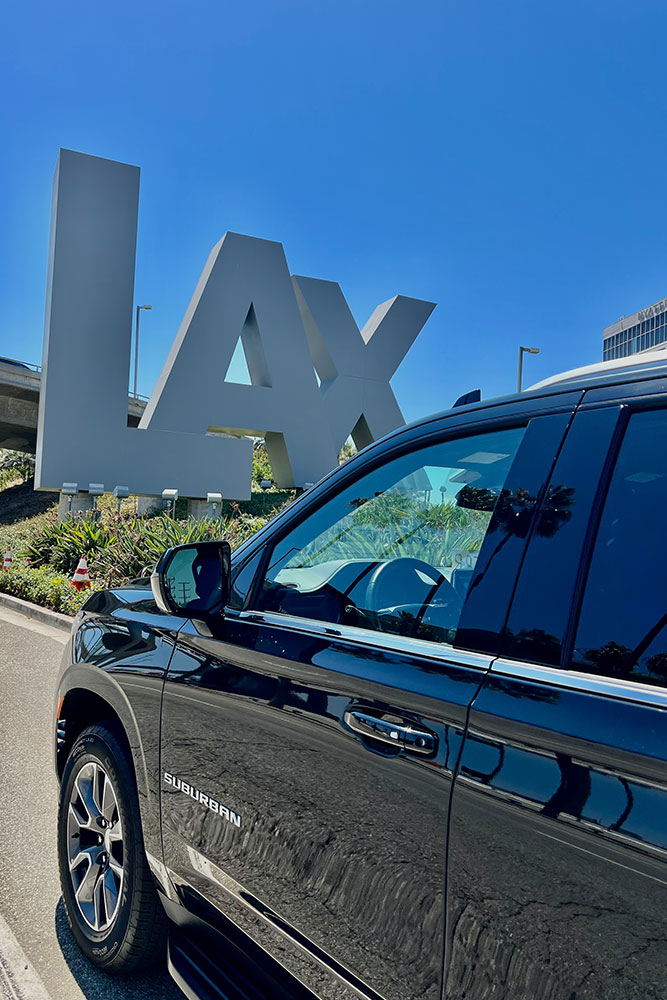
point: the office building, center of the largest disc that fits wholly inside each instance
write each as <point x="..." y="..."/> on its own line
<point x="645" y="330"/>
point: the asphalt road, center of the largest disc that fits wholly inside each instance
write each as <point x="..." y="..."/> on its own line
<point x="38" y="956"/>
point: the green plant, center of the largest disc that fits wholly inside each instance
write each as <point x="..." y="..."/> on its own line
<point x="7" y="478"/>
<point x="118" y="547"/>
<point x="39" y="544"/>
<point x="42" y="585"/>
<point x="349" y="450"/>
<point x="61" y="544"/>
<point x="395" y="524"/>
<point x="16" y="466"/>
<point x="139" y="543"/>
<point x="261" y="467"/>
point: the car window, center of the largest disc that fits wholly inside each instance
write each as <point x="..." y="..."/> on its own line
<point x="488" y="599"/>
<point x="395" y="551"/>
<point x="542" y="603"/>
<point x="622" y="629"/>
<point x="241" y="582"/>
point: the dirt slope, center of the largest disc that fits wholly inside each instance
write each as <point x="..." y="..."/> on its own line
<point x="20" y="502"/>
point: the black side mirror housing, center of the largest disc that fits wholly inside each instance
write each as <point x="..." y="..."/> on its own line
<point x="193" y="580"/>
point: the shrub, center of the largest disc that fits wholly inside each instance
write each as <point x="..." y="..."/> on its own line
<point x="261" y="467"/>
<point x="61" y="544"/>
<point x="395" y="524"/>
<point x="8" y="478"/>
<point x="139" y="542"/>
<point x="44" y="586"/>
<point x="118" y="547"/>
<point x="16" y="466"/>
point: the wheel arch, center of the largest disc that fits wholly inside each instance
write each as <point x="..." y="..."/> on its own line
<point x="82" y="708"/>
<point x="90" y="696"/>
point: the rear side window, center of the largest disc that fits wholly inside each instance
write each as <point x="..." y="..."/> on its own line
<point x="542" y="603"/>
<point x="622" y="629"/>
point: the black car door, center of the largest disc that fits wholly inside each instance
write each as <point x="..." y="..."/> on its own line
<point x="558" y="849"/>
<point x="309" y="740"/>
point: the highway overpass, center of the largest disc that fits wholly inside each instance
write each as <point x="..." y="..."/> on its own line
<point x="19" y="402"/>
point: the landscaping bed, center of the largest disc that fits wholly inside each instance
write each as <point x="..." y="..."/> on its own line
<point x="118" y="547"/>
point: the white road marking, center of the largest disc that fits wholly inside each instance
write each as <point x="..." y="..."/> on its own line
<point x="50" y="631"/>
<point x="18" y="979"/>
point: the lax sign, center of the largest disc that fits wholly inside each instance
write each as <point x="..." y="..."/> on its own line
<point x="315" y="378"/>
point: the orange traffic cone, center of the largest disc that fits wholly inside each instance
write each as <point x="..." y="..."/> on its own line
<point x="8" y="560"/>
<point x="81" y="578"/>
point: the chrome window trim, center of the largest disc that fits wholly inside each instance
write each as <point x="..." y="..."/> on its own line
<point x="575" y="680"/>
<point x="376" y="640"/>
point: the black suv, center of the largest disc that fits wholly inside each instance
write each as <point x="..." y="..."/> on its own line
<point x="410" y="741"/>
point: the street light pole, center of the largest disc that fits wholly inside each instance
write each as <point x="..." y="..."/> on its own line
<point x="136" y="347"/>
<point x="522" y="351"/>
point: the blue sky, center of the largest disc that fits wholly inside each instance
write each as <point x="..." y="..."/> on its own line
<point x="502" y="159"/>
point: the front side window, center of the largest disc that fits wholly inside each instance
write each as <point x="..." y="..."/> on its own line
<point x="396" y="550"/>
<point x="622" y="629"/>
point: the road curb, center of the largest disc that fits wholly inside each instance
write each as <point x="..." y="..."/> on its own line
<point x="34" y="611"/>
<point x="17" y="976"/>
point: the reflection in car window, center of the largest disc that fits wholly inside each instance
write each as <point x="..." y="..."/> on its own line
<point x="193" y="579"/>
<point x="396" y="550"/>
<point x="542" y="602"/>
<point x="623" y="625"/>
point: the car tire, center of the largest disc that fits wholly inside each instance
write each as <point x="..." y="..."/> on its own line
<point x="109" y="894"/>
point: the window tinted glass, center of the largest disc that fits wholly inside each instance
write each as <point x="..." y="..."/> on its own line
<point x="623" y="625"/>
<point x="242" y="581"/>
<point x="396" y="550"/>
<point x="487" y="602"/>
<point x="541" y="607"/>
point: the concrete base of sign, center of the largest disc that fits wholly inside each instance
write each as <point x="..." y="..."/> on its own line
<point x="147" y="505"/>
<point x="200" y="509"/>
<point x="81" y="503"/>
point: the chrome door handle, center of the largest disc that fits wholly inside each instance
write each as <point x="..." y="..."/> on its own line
<point x="404" y="735"/>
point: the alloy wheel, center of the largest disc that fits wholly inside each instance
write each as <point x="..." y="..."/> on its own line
<point x="95" y="846"/>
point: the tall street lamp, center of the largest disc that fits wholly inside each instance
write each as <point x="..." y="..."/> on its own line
<point x="136" y="347"/>
<point x="522" y="351"/>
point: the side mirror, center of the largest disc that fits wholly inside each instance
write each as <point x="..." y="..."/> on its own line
<point x="193" y="579"/>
